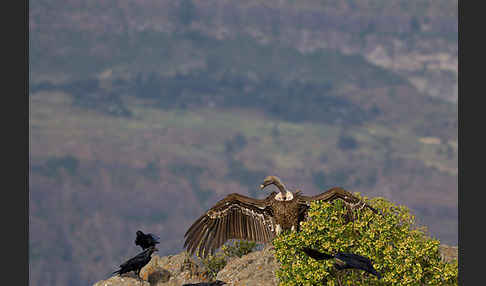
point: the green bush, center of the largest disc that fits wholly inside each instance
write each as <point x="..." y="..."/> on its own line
<point x="400" y="251"/>
<point x="238" y="248"/>
<point x="214" y="263"/>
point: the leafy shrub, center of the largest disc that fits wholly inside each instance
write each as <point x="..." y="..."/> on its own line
<point x="239" y="248"/>
<point x="401" y="252"/>
<point x="214" y="263"/>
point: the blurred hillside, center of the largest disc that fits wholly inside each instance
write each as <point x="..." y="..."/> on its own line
<point x="145" y="113"/>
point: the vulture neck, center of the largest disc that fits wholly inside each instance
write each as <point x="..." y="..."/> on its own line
<point x="284" y="195"/>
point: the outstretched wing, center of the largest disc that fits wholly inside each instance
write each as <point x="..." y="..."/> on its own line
<point x="234" y="217"/>
<point x="338" y="193"/>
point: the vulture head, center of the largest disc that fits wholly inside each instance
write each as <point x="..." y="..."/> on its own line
<point x="284" y="194"/>
<point x="270" y="180"/>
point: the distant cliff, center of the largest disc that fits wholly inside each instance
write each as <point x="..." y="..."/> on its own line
<point x="418" y="39"/>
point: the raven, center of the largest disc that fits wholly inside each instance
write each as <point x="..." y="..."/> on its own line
<point x="345" y="260"/>
<point x="137" y="263"/>
<point x="146" y="240"/>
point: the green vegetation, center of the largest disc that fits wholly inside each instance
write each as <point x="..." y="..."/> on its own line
<point x="213" y="264"/>
<point x="237" y="248"/>
<point x="400" y="251"/>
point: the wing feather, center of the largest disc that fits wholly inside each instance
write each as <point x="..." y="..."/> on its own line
<point x="245" y="226"/>
<point x="195" y="229"/>
<point x="197" y="224"/>
<point x="259" y="233"/>
<point x="206" y="238"/>
<point x="214" y="235"/>
<point x="195" y="239"/>
<point x="211" y="235"/>
<point x="336" y="193"/>
<point x="238" y="234"/>
<point x="234" y="217"/>
<point x="252" y="229"/>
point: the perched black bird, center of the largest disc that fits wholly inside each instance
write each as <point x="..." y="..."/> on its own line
<point x="137" y="263"/>
<point x="345" y="260"/>
<point x="146" y="240"/>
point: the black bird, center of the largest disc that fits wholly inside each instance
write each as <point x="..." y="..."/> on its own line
<point x="146" y="240"/>
<point x="137" y="263"/>
<point x="345" y="260"/>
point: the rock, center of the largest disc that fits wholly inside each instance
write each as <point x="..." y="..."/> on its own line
<point x="124" y="280"/>
<point x="214" y="283"/>
<point x="254" y="269"/>
<point x="172" y="270"/>
<point x="448" y="252"/>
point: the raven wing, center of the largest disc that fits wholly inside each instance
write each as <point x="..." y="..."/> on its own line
<point x="136" y="259"/>
<point x="316" y="254"/>
<point x="357" y="261"/>
<point x="354" y="259"/>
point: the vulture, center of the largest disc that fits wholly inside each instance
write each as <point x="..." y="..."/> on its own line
<point x="146" y="240"/>
<point x="137" y="263"/>
<point x="345" y="260"/>
<point x="259" y="220"/>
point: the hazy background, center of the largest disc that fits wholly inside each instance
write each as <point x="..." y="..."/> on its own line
<point x="145" y="113"/>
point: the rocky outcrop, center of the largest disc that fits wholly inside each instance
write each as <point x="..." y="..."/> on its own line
<point x="254" y="269"/>
<point x="448" y="252"/>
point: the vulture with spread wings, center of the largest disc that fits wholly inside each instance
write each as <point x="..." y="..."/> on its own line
<point x="259" y="220"/>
